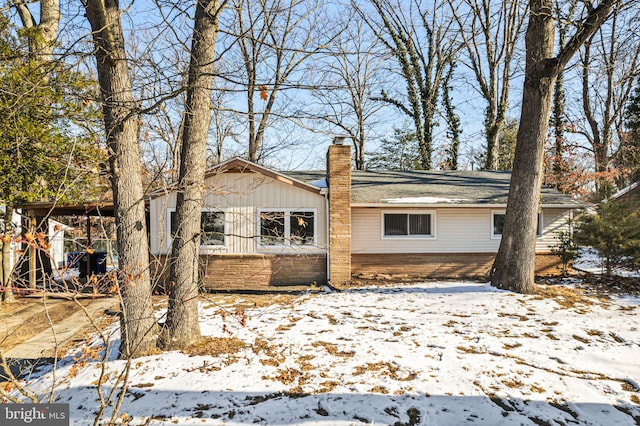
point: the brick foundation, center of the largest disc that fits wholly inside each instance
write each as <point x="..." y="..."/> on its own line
<point x="428" y="265"/>
<point x="252" y="272"/>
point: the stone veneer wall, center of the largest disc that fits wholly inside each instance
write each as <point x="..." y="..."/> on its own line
<point x="252" y="272"/>
<point x="339" y="182"/>
<point x="428" y="265"/>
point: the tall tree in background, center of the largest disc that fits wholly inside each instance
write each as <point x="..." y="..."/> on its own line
<point x="48" y="150"/>
<point x="453" y="122"/>
<point x="514" y="265"/>
<point x="490" y="31"/>
<point x="423" y="49"/>
<point x="137" y="324"/>
<point x="397" y="152"/>
<point x="351" y="72"/>
<point x="275" y="39"/>
<point x="559" y="119"/>
<point x="610" y="61"/>
<point x="628" y="158"/>
<point x="42" y="33"/>
<point x="181" y="327"/>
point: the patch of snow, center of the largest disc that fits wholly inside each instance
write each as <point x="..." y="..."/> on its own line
<point x="437" y="353"/>
<point x="423" y="200"/>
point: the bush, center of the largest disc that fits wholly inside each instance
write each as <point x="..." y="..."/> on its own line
<point x="614" y="232"/>
<point x="566" y="250"/>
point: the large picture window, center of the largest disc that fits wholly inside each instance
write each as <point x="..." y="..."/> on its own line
<point x="287" y="227"/>
<point x="497" y="224"/>
<point x="211" y="227"/>
<point x="408" y="225"/>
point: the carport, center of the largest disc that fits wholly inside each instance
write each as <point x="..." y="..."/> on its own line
<point x="36" y="213"/>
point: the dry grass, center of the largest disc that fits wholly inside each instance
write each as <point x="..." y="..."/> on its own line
<point x="215" y="346"/>
<point x="566" y="297"/>
<point x="384" y="369"/>
<point x="333" y="349"/>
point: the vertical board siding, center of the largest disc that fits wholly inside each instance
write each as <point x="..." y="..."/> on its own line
<point x="240" y="196"/>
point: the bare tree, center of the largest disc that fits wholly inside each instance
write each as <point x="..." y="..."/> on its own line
<point x="121" y="123"/>
<point x="610" y="62"/>
<point x="490" y="32"/>
<point x="275" y="39"/>
<point x="514" y="265"/>
<point x="351" y="72"/>
<point x="181" y="327"/>
<point x="420" y="39"/>
<point x="452" y="119"/>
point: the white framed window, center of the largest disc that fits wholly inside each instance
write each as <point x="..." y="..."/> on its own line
<point x="212" y="227"/>
<point x="408" y="224"/>
<point x="287" y="227"/>
<point x="497" y="224"/>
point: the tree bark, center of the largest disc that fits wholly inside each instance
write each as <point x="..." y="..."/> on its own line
<point x="181" y="327"/>
<point x="42" y="41"/>
<point x="6" y="256"/>
<point x="137" y="323"/>
<point x="514" y="266"/>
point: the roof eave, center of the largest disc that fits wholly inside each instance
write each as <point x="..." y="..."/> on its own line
<point x="467" y="205"/>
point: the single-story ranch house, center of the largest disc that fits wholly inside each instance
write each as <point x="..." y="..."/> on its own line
<point x="265" y="228"/>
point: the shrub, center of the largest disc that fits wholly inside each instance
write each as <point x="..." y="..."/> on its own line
<point x="614" y="232"/>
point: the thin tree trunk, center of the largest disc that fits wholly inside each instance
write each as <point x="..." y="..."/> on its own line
<point x="181" y="326"/>
<point x="6" y="256"/>
<point x="514" y="266"/>
<point x="138" y="324"/>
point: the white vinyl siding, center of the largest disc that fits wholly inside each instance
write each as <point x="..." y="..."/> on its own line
<point x="458" y="230"/>
<point x="241" y="196"/>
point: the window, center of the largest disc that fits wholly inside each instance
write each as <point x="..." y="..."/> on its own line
<point x="407" y="225"/>
<point x="272" y="230"/>
<point x="497" y="224"/>
<point x="211" y="227"/>
<point x="287" y="227"/>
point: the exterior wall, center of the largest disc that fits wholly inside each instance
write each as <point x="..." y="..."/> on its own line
<point x="340" y="230"/>
<point x="425" y="265"/>
<point x="241" y="196"/>
<point x="457" y="230"/>
<point x="253" y="271"/>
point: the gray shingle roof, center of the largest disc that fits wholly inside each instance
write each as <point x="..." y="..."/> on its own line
<point x="432" y="187"/>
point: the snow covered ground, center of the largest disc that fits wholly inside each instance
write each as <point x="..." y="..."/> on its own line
<point x="438" y="353"/>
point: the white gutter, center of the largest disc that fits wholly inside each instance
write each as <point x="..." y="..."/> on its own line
<point x="440" y="205"/>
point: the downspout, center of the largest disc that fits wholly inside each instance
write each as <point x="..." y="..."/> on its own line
<point x="325" y="192"/>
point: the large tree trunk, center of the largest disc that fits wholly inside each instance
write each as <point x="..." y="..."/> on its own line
<point x="514" y="266"/>
<point x="138" y="324"/>
<point x="515" y="262"/>
<point x="181" y="326"/>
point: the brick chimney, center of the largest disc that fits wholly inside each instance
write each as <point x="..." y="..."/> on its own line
<point x="339" y="182"/>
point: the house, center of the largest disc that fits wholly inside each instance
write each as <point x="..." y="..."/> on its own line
<point x="266" y="228"/>
<point x="629" y="195"/>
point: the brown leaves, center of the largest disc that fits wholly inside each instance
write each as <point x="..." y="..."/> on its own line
<point x="263" y="93"/>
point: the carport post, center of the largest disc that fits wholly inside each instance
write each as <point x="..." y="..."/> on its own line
<point x="33" y="265"/>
